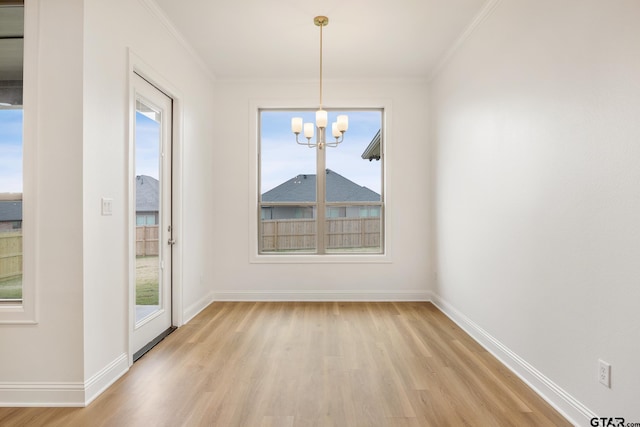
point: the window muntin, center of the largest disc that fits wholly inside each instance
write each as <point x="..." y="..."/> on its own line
<point x="288" y="184"/>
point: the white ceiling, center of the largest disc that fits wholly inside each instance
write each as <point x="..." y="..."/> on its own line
<point x="365" y="39"/>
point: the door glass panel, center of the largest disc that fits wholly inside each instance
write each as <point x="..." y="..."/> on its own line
<point x="148" y="193"/>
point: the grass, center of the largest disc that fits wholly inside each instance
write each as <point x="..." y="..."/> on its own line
<point x="147" y="269"/>
<point x="147" y="272"/>
<point x="11" y="288"/>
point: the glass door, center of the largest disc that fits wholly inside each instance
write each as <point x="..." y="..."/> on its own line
<point x="152" y="212"/>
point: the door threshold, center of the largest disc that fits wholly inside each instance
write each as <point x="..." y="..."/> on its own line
<point x="138" y="354"/>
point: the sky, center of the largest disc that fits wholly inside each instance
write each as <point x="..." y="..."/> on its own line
<point x="147" y="152"/>
<point x="147" y="146"/>
<point x="10" y="151"/>
<point x="282" y="159"/>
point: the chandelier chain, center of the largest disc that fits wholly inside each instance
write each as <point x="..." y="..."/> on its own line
<point x="337" y="128"/>
<point x="321" y="66"/>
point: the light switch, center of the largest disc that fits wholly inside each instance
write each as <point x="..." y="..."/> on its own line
<point x="107" y="206"/>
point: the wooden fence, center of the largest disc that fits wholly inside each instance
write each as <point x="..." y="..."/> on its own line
<point x="147" y="240"/>
<point x="277" y="235"/>
<point x="10" y="254"/>
<point x="300" y="234"/>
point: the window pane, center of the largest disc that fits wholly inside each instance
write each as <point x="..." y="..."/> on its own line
<point x="354" y="172"/>
<point x="11" y="65"/>
<point x="289" y="182"/>
<point x="147" y="163"/>
<point x="287" y="178"/>
<point x="357" y="229"/>
<point x="287" y="228"/>
<point x="287" y="170"/>
<point x="10" y="156"/>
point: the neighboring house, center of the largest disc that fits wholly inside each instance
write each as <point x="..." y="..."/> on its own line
<point x="10" y="215"/>
<point x="147" y="204"/>
<point x="147" y="200"/>
<point x="372" y="152"/>
<point x="302" y="188"/>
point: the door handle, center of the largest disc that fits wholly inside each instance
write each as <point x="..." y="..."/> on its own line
<point x="171" y="242"/>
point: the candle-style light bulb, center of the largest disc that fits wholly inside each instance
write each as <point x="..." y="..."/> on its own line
<point x="334" y="130"/>
<point x="308" y="130"/>
<point x="343" y="123"/>
<point x="296" y="125"/>
<point x="321" y="118"/>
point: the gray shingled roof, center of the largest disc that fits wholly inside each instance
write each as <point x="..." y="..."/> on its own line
<point x="10" y="210"/>
<point x="147" y="195"/>
<point x="302" y="188"/>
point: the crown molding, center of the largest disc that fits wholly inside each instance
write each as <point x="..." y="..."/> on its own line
<point x="153" y="7"/>
<point x="483" y="14"/>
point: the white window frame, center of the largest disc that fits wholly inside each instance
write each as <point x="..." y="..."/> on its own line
<point x="254" y="182"/>
<point x="25" y="311"/>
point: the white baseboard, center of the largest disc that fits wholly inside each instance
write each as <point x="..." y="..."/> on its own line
<point x="195" y="308"/>
<point x="574" y="411"/>
<point x="63" y="394"/>
<point x="67" y="394"/>
<point x="77" y="394"/>
<point x="362" y="296"/>
<point x="98" y="383"/>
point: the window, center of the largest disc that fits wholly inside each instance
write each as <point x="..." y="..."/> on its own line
<point x="292" y="178"/>
<point x="11" y="118"/>
<point x="144" y="220"/>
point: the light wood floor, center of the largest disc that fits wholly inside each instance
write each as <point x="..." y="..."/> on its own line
<point x="310" y="364"/>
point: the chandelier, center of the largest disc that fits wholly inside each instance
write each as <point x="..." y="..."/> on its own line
<point x="338" y="128"/>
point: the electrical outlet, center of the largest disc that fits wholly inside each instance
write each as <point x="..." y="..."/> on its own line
<point x="604" y="373"/>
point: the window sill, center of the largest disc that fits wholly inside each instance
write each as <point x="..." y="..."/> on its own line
<point x="321" y="259"/>
<point x="15" y="314"/>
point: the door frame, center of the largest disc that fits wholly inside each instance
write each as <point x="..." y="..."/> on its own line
<point x="138" y="66"/>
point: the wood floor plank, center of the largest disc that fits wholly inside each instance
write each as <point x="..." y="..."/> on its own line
<point x="310" y="364"/>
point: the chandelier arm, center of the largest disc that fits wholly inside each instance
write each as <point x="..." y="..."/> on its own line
<point x="337" y="141"/>
<point x="308" y="143"/>
<point x="333" y="144"/>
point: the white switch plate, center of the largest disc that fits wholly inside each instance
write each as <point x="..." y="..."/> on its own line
<point x="107" y="206"/>
<point x="604" y="373"/>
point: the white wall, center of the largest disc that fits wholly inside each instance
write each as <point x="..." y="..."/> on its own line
<point x="236" y="277"/>
<point x="110" y="29"/>
<point x="536" y="135"/>
<point x="51" y="351"/>
<point x="81" y="340"/>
